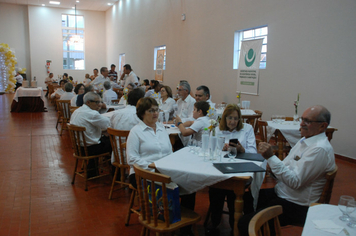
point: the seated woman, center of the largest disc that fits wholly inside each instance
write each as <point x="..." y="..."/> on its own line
<point x="148" y="141"/>
<point x="79" y="89"/>
<point x="87" y="80"/>
<point x="231" y="127"/>
<point x="167" y="102"/>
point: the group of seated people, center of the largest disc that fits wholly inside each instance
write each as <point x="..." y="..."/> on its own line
<point x="300" y="175"/>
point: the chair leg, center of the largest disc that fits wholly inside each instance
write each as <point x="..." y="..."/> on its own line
<point x="133" y="194"/>
<point x="75" y="170"/>
<point x="62" y="128"/>
<point x="58" y="121"/>
<point x="207" y="218"/>
<point x="143" y="231"/>
<point x="113" y="183"/>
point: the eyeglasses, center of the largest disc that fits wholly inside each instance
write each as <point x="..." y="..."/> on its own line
<point x="232" y="118"/>
<point x="153" y="110"/>
<point x="97" y="102"/>
<point x="308" y="122"/>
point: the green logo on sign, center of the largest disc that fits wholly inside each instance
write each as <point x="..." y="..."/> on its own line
<point x="250" y="58"/>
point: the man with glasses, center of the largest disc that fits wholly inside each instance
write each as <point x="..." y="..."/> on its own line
<point x="88" y="116"/>
<point x="300" y="176"/>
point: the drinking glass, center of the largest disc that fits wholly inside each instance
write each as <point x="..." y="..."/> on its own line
<point x="274" y="117"/>
<point x="220" y="144"/>
<point x="160" y="117"/>
<point x="213" y="144"/>
<point x="166" y="116"/>
<point x="232" y="152"/>
<point x="344" y="199"/>
<point x="350" y="208"/>
<point x="191" y="145"/>
<point x="197" y="147"/>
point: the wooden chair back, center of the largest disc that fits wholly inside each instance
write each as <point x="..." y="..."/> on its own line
<point x="142" y="178"/>
<point x="63" y="113"/>
<point x="328" y="187"/>
<point x="77" y="138"/>
<point x="252" y="120"/>
<point x="259" y="223"/>
<point x="72" y="109"/>
<point x="118" y="144"/>
<point x="329" y="132"/>
<point x="262" y="129"/>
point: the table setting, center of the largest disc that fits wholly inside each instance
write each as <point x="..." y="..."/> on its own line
<point x="329" y="220"/>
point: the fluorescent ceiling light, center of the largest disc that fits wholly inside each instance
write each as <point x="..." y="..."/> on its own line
<point x="54" y="2"/>
<point x="77" y="1"/>
<point x="109" y="4"/>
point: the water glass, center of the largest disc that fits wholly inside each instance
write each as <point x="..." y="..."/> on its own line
<point x="166" y="116"/>
<point x="344" y="199"/>
<point x="220" y="145"/>
<point x="232" y="152"/>
<point x="350" y="209"/>
<point x="197" y="147"/>
<point x="191" y="145"/>
<point x="160" y="117"/>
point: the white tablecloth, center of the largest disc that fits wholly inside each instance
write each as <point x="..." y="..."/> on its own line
<point x="192" y="173"/>
<point x="324" y="212"/>
<point x="289" y="130"/>
<point x="28" y="92"/>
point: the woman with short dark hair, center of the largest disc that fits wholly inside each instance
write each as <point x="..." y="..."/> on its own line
<point x="148" y="141"/>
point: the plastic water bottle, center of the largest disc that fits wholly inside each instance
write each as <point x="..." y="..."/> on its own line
<point x="205" y="140"/>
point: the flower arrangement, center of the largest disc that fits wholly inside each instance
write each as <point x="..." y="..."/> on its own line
<point x="126" y="91"/>
<point x="7" y="59"/>
<point x="213" y="125"/>
<point x="211" y="112"/>
<point x="239" y="97"/>
<point x="296" y="104"/>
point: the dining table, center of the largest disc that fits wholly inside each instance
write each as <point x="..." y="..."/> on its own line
<point x="323" y="220"/>
<point x="28" y="100"/>
<point x="288" y="131"/>
<point x="192" y="172"/>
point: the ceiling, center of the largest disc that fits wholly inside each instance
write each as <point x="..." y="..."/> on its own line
<point x="92" y="5"/>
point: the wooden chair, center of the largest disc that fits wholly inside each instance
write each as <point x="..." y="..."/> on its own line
<point x="329" y="132"/>
<point x="260" y="221"/>
<point x="289" y="118"/>
<point x="81" y="153"/>
<point x="63" y="113"/>
<point x="151" y="222"/>
<point x="118" y="144"/>
<point x="328" y="187"/>
<point x="72" y="109"/>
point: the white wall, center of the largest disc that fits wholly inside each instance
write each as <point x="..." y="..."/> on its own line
<point x="14" y="32"/>
<point x="46" y="41"/>
<point x="310" y="51"/>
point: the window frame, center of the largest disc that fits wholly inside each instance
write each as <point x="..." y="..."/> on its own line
<point x="161" y="47"/>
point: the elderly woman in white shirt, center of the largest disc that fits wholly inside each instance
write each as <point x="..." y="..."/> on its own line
<point x="148" y="141"/>
<point x="231" y="127"/>
<point x="166" y="101"/>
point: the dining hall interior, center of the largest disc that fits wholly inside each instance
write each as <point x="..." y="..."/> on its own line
<point x="309" y="52"/>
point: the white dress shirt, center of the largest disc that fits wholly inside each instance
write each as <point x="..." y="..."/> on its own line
<point x="185" y="108"/>
<point x="98" y="82"/>
<point x="124" y="119"/>
<point x="73" y="101"/>
<point x="87" y="82"/>
<point x="144" y="146"/>
<point x="67" y="96"/>
<point x="58" y="91"/>
<point x="301" y="175"/>
<point x="19" y="79"/>
<point x="130" y="78"/>
<point x="93" y="121"/>
<point x="198" y="126"/>
<point x="109" y="95"/>
<point x="246" y="137"/>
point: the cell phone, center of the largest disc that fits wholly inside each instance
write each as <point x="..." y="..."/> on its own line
<point x="234" y="140"/>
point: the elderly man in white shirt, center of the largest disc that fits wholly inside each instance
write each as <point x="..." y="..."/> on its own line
<point x="68" y="94"/>
<point x="98" y="82"/>
<point x="126" y="118"/>
<point x="129" y="76"/>
<point x="185" y="102"/>
<point x="89" y="117"/>
<point x="300" y="176"/>
<point x="109" y="94"/>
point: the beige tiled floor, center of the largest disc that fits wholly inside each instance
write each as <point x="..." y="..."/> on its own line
<point x="37" y="198"/>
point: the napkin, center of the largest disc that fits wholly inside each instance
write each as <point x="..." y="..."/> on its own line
<point x="328" y="226"/>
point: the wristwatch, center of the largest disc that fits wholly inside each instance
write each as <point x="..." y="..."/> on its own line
<point x="179" y="124"/>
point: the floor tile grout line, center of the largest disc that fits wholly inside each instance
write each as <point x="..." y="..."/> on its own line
<point x="29" y="221"/>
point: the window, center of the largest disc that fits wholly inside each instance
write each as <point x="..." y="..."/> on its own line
<point x="121" y="63"/>
<point x="249" y="34"/>
<point x="163" y="47"/>
<point x="73" y="42"/>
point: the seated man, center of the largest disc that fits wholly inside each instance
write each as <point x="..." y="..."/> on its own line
<point x="98" y="82"/>
<point x="68" y="94"/>
<point x="300" y="176"/>
<point x="202" y="93"/>
<point x="59" y="91"/>
<point x="109" y="94"/>
<point x="126" y="118"/>
<point x="185" y="103"/>
<point x="89" y="117"/>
